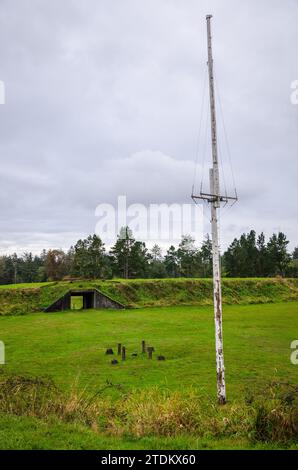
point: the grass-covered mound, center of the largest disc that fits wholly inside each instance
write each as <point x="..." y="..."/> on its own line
<point x="20" y="299"/>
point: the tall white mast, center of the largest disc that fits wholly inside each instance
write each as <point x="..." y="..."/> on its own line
<point x="215" y="199"/>
<point x="215" y="204"/>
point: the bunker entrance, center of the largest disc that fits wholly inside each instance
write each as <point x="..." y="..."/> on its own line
<point x="82" y="300"/>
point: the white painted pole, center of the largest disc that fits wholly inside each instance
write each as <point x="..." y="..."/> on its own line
<point x="213" y="112"/>
<point x="215" y="204"/>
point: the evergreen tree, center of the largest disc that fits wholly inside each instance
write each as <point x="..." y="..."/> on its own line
<point x="129" y="257"/>
<point x="156" y="253"/>
<point x="295" y="253"/>
<point x="28" y="267"/>
<point x="156" y="268"/>
<point x="6" y="270"/>
<point x="231" y="259"/>
<point x="278" y="256"/>
<point x="89" y="258"/>
<point x="206" y="257"/>
<point x="139" y="260"/>
<point x="171" y="262"/>
<point x="188" y="257"/>
<point x="121" y="252"/>
<point x="251" y="255"/>
<point x="262" y="262"/>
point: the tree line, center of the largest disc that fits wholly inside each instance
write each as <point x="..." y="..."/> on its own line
<point x="248" y="256"/>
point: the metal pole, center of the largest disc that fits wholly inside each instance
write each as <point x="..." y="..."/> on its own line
<point x="215" y="204"/>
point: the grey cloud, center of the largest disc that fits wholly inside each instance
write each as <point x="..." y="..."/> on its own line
<point x="90" y="86"/>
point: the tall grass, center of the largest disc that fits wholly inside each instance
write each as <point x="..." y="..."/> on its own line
<point x="269" y="417"/>
<point x="40" y="398"/>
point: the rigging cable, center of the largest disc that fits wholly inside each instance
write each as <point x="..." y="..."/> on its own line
<point x="205" y="148"/>
<point x="222" y="166"/>
<point x="225" y="134"/>
<point x="200" y="128"/>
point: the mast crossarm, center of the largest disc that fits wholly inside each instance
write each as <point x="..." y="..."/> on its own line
<point x="214" y="197"/>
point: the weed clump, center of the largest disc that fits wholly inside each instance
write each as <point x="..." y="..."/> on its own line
<point x="276" y="417"/>
<point x="40" y="398"/>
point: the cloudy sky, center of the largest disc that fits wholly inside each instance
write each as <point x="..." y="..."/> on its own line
<point x="104" y="98"/>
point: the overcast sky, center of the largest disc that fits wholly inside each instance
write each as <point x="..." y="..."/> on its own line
<point x="103" y="98"/>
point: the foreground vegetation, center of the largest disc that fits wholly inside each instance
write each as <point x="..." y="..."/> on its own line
<point x="59" y="389"/>
<point x="34" y="414"/>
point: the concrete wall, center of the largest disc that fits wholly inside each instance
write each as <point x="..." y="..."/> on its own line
<point x="101" y="301"/>
<point x="61" y="304"/>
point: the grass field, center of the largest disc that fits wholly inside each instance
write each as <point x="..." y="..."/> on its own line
<point x="69" y="348"/>
<point x="25" y="285"/>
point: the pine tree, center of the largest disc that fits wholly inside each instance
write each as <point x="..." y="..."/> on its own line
<point x="171" y="262"/>
<point x="89" y="258"/>
<point x="278" y="256"/>
<point x="262" y="264"/>
<point x="188" y="257"/>
<point x="129" y="257"/>
<point x="206" y="257"/>
<point x="156" y="268"/>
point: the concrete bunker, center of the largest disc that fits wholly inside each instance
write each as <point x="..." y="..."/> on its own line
<point x="89" y="299"/>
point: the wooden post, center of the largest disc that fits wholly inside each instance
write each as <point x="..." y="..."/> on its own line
<point x="119" y="349"/>
<point x="143" y="347"/>
<point x="123" y="353"/>
<point x="150" y="351"/>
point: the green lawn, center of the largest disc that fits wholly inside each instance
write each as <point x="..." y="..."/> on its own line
<point x="70" y="348"/>
<point x="25" y="285"/>
<point x="32" y="434"/>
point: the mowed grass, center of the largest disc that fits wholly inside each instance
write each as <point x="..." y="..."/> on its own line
<point x="26" y="285"/>
<point x="69" y="347"/>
